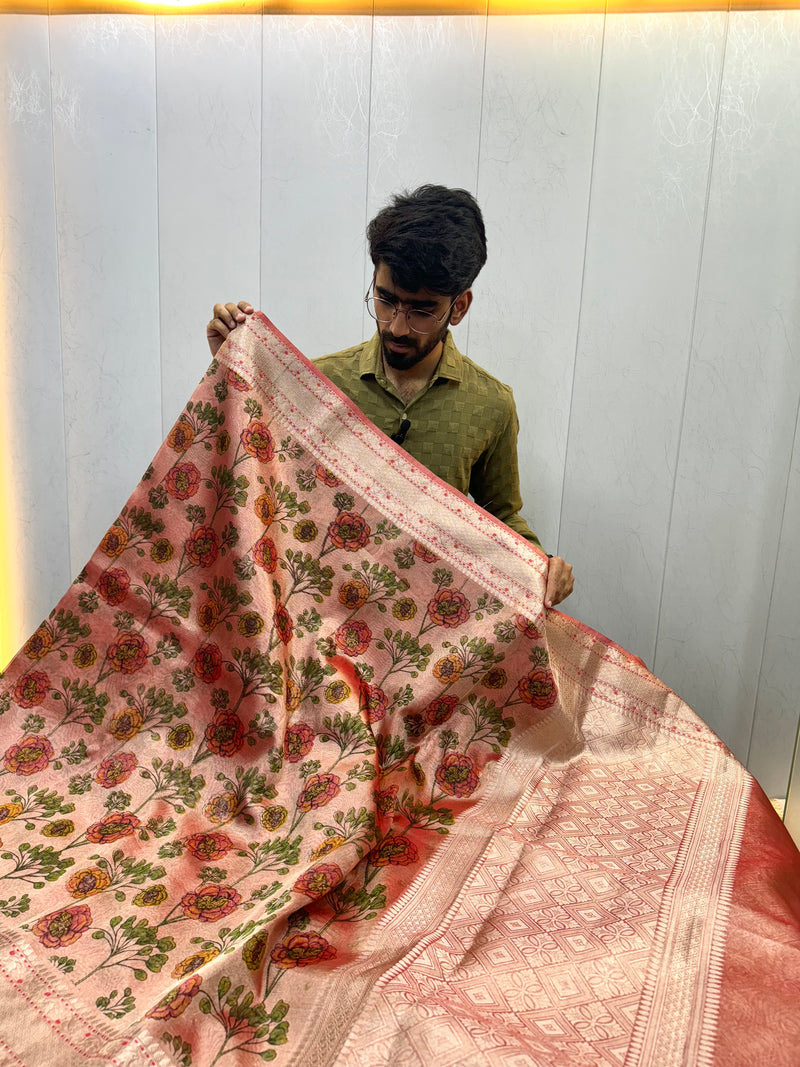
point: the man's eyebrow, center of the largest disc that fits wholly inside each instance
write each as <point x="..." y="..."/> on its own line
<point x="394" y="299"/>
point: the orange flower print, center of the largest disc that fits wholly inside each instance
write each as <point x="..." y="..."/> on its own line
<point x="283" y="624"/>
<point x="250" y="624"/>
<point x="526" y="627"/>
<point x="115" y="542"/>
<point x="538" y="688"/>
<point x="266" y="554"/>
<point x="319" y="880"/>
<point x="330" y="844"/>
<point x="354" y="594"/>
<point x="64" y="927"/>
<point x="349" y="531"/>
<point x="448" y="669"/>
<point x="128" y="653"/>
<point x="209" y="903"/>
<point x="336" y="692"/>
<point x="456" y="775"/>
<point x="207" y="663"/>
<point x="440" y="710"/>
<point x="257" y="442"/>
<point x="225" y="734"/>
<point x="495" y="678"/>
<point x="265" y="508"/>
<point x="326" y="477"/>
<point x="9" y="812"/>
<point x="116" y="769"/>
<point x="449" y="608"/>
<point x="223" y="442"/>
<point x="305" y="531"/>
<point x="353" y="637"/>
<point x="273" y="817"/>
<point x="59" y="828"/>
<point x="182" y="481"/>
<point x="125" y="723"/>
<point x="194" y="962"/>
<point x="254" y="949"/>
<point x="85" y="656"/>
<point x="202" y="546"/>
<point x="298" y="742"/>
<point x="87" y="882"/>
<point x="38" y="644"/>
<point x="28" y="756"/>
<point x="151" y="897"/>
<point x="113" y="827"/>
<point x="113" y="586"/>
<point x="319" y="790"/>
<point x="208" y="847"/>
<point x="180" y="737"/>
<point x="220" y="808"/>
<point x="373" y="702"/>
<point x="177" y="1000"/>
<point x="386" y="800"/>
<point x="237" y="381"/>
<point x="301" y="950"/>
<point x="393" y="851"/>
<point x="294" y="695"/>
<point x="404" y="609"/>
<point x="423" y="553"/>
<point x="32" y="689"/>
<point x="162" y="550"/>
<point x="181" y="436"/>
<point x="208" y="616"/>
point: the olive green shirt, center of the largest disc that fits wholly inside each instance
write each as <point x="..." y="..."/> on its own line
<point x="464" y="423"/>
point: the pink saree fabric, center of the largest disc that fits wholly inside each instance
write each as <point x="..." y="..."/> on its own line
<point x="300" y="770"/>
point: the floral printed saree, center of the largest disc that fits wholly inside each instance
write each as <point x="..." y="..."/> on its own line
<point x="300" y="770"/>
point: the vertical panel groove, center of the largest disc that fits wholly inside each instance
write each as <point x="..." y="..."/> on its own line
<point x="164" y="428"/>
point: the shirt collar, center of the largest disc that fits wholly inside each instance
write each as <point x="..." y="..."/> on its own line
<point x="450" y="365"/>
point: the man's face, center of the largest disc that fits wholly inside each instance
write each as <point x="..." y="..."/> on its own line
<point x="402" y="348"/>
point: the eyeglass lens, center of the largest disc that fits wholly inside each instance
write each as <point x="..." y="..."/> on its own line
<point x="384" y="311"/>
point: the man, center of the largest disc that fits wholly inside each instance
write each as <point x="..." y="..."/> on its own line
<point x="427" y="248"/>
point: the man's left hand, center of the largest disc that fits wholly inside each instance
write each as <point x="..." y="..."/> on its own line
<point x="559" y="582"/>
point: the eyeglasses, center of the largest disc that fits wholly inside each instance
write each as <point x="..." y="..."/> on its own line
<point x="384" y="311"/>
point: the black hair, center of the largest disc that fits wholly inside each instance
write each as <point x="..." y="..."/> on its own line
<point x="432" y="238"/>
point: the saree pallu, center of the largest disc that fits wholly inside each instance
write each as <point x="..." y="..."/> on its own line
<point x="301" y="770"/>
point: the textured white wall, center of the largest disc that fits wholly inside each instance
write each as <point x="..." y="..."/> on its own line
<point x="639" y="177"/>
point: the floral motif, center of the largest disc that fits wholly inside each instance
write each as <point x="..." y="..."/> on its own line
<point x="349" y="531"/>
<point x="526" y="628"/>
<point x="237" y="381"/>
<point x="125" y="723"/>
<point x="250" y="624"/>
<point x="354" y="594"/>
<point x="38" y="644"/>
<point x="301" y="950"/>
<point x="456" y="775"/>
<point x="29" y="755"/>
<point x="87" y="882"/>
<point x="225" y="734"/>
<point x="393" y="851"/>
<point x="181" y="436"/>
<point x="208" y="846"/>
<point x="208" y="616"/>
<point x="386" y="800"/>
<point x="115" y="542"/>
<point x="265" y="507"/>
<point x="257" y="442"/>
<point x="151" y="897"/>
<point x="177" y="1000"/>
<point x="495" y="678"/>
<point x="319" y="790"/>
<point x="373" y="702"/>
<point x="297" y="742"/>
<point x="404" y="609"/>
<point x="283" y="624"/>
<point x="128" y="653"/>
<point x="353" y="637"/>
<point x="162" y="550"/>
<point x="274" y="817"/>
<point x="440" y="710"/>
<point x="336" y="692"/>
<point x="64" y="927"/>
<point x="305" y="531"/>
<point x="115" y="825"/>
<point x="448" y="669"/>
<point x="330" y="844"/>
<point x="254" y="949"/>
<point x="182" y="481"/>
<point x="538" y="688"/>
<point x="115" y="769"/>
<point x="266" y="554"/>
<point x="9" y="812"/>
<point x="208" y="903"/>
<point x="449" y="608"/>
<point x="194" y="962"/>
<point x="32" y="689"/>
<point x="207" y="663"/>
<point x="326" y="477"/>
<point x="319" y="880"/>
<point x="180" y="737"/>
<point x="202" y="546"/>
<point x="414" y="724"/>
<point x="59" y="828"/>
<point x="423" y="553"/>
<point x="221" y="808"/>
<point x="113" y="586"/>
<point x="85" y="656"/>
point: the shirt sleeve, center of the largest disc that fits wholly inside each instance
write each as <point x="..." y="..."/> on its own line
<point x="494" y="483"/>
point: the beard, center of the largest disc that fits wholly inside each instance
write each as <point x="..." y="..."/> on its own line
<point x="414" y="348"/>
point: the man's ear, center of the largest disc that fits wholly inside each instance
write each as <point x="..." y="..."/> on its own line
<point x="461" y="307"/>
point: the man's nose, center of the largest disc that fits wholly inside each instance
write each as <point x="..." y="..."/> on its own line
<point x="398" y="327"/>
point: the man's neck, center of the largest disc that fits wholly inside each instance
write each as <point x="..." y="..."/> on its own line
<point x="408" y="383"/>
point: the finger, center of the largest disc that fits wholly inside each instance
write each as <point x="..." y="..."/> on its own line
<point x="245" y="307"/>
<point x="224" y="313"/>
<point x="219" y="328"/>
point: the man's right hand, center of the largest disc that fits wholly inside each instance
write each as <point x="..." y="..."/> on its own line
<point x="226" y="318"/>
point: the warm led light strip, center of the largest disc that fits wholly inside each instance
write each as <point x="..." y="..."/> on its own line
<point x="382" y="7"/>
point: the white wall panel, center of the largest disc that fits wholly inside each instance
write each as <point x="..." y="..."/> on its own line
<point x="540" y="103"/>
<point x="650" y="177"/>
<point x="743" y="387"/>
<point x="30" y="353"/>
<point x="105" y="163"/>
<point x="208" y="73"/>
<point x="316" y="113"/>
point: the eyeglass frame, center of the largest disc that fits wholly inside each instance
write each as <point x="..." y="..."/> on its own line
<point x="370" y="294"/>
